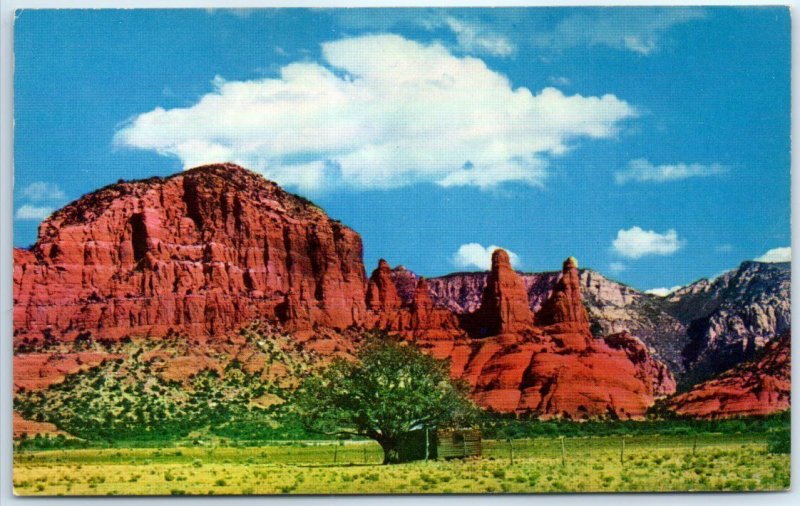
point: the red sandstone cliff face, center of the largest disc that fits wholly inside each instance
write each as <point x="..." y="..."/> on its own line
<point x="564" y="309"/>
<point x="612" y="308"/>
<point x="648" y="369"/>
<point x="509" y="373"/>
<point x="417" y="319"/>
<point x="504" y="305"/>
<point x="559" y="370"/>
<point x="202" y="251"/>
<point x="562" y="315"/>
<point x="209" y="250"/>
<point x="381" y="291"/>
<point x="757" y="387"/>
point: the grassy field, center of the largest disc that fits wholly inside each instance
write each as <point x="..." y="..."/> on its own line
<point x="581" y="464"/>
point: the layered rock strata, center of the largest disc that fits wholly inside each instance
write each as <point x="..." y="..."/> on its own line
<point x="207" y="251"/>
<point x="203" y="251"/>
<point x="560" y="370"/>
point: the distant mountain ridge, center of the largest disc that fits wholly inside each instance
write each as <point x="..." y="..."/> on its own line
<point x="732" y="316"/>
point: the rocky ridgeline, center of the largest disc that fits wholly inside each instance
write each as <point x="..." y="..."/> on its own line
<point x="207" y="251"/>
<point x="730" y="318"/>
<point x="612" y="307"/>
<point x="549" y="364"/>
<point x="698" y="331"/>
<point x="415" y="317"/>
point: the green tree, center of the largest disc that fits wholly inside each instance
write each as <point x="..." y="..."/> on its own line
<point x="389" y="389"/>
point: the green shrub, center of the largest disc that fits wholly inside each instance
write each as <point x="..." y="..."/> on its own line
<point x="505" y="426"/>
<point x="779" y="441"/>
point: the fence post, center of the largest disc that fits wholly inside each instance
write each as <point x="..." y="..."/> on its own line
<point x="365" y="453"/>
<point x="694" y="445"/>
<point x="511" y="450"/>
<point x="563" y="452"/>
<point x="427" y="444"/>
<point x="622" y="452"/>
<point x="335" y="451"/>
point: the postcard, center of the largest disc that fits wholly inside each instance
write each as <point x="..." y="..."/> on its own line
<point x="401" y="250"/>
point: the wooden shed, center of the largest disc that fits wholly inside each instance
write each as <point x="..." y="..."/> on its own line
<point x="429" y="444"/>
<point x="458" y="443"/>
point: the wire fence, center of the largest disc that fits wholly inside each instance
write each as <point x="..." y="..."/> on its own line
<point x="561" y="449"/>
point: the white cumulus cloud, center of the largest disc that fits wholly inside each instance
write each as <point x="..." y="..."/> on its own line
<point x="776" y="255"/>
<point x="643" y="171"/>
<point x="29" y="212"/>
<point x="635" y="242"/>
<point x="380" y="111"/>
<point x="473" y="255"/>
<point x="42" y="191"/>
<point x="662" y="292"/>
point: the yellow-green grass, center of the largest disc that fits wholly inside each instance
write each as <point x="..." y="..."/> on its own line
<point x="648" y="463"/>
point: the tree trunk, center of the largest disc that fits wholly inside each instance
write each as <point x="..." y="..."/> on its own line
<point x="391" y="453"/>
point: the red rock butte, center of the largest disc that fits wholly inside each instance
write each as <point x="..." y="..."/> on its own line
<point x="208" y="250"/>
<point x="202" y="251"/>
<point x="564" y="310"/>
<point x="558" y="369"/>
<point x="504" y="305"/>
<point x="381" y="292"/>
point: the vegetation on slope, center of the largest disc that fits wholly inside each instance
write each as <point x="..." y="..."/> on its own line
<point x="238" y="395"/>
<point x="144" y="396"/>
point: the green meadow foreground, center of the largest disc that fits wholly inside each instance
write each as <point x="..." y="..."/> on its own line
<point x="738" y="462"/>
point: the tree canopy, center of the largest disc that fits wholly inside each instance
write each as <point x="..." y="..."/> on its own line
<point x="389" y="389"/>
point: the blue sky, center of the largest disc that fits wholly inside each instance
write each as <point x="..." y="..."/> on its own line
<point x="650" y="143"/>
